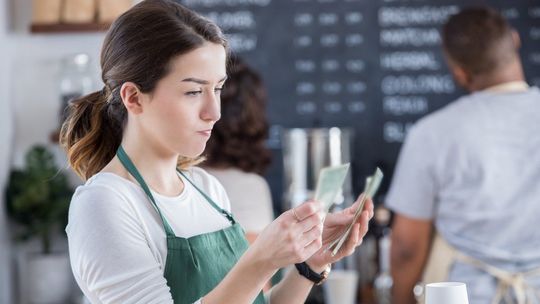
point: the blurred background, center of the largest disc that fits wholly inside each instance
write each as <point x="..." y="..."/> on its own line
<point x="345" y="80"/>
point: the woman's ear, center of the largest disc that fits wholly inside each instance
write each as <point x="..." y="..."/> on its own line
<point x="131" y="97"/>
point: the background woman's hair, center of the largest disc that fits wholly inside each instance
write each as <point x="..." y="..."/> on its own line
<point x="138" y="48"/>
<point x="238" y="138"/>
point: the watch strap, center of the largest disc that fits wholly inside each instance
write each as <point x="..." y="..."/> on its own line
<point x="306" y="271"/>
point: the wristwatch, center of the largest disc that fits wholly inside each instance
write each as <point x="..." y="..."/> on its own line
<point x="308" y="273"/>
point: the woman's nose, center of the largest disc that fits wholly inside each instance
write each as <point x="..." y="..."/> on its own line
<point x="212" y="107"/>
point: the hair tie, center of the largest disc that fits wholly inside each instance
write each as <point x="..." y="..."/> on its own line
<point x="105" y="92"/>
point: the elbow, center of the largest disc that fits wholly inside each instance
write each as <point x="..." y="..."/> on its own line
<point x="403" y="252"/>
<point x="410" y="240"/>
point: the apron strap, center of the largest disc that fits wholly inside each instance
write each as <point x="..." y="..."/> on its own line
<point x="507" y="280"/>
<point x="220" y="210"/>
<point x="128" y="164"/>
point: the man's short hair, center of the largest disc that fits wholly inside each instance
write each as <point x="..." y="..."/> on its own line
<point x="479" y="40"/>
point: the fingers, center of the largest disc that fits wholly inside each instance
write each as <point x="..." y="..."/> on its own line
<point x="311" y="239"/>
<point x="353" y="241"/>
<point x="307" y="243"/>
<point x="369" y="207"/>
<point x="364" y="223"/>
<point x="345" y="217"/>
<point x="339" y="219"/>
<point x="313" y="247"/>
<point x="304" y="224"/>
<point x="307" y="215"/>
<point x="305" y="210"/>
<point x="310" y="222"/>
<point x="353" y="207"/>
<point x="360" y="229"/>
<point x="312" y="234"/>
<point x="355" y="238"/>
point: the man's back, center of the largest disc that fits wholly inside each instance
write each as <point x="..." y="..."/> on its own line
<point x="474" y="168"/>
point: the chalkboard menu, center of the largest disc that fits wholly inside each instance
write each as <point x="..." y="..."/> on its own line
<point x="372" y="65"/>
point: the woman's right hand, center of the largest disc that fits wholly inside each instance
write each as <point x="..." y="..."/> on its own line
<point x="291" y="238"/>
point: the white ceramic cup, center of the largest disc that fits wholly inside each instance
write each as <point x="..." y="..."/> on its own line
<point x="340" y="287"/>
<point x="446" y="293"/>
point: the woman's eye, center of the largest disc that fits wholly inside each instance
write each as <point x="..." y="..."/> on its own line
<point x="193" y="93"/>
<point x="218" y="90"/>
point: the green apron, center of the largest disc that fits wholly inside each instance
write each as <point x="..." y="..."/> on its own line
<point x="197" y="264"/>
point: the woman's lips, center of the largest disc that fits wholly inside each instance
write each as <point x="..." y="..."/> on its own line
<point x="205" y="132"/>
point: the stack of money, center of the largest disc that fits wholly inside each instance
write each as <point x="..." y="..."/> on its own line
<point x="329" y="184"/>
<point x="370" y="189"/>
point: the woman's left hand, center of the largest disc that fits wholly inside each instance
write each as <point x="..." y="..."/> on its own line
<point x="335" y="225"/>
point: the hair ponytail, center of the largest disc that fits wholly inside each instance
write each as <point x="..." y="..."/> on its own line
<point x="92" y="133"/>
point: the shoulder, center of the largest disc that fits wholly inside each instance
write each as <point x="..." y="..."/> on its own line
<point x="447" y="120"/>
<point x="104" y="193"/>
<point x="448" y="114"/>
<point x="202" y="179"/>
<point x="108" y="201"/>
<point x="233" y="175"/>
<point x="107" y="185"/>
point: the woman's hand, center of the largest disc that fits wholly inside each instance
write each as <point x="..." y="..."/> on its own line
<point x="291" y="238"/>
<point x="335" y="225"/>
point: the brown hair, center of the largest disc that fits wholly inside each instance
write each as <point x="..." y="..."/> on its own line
<point x="479" y="40"/>
<point x="238" y="138"/>
<point x="138" y="48"/>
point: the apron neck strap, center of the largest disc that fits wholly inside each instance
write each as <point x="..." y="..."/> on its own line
<point x="128" y="164"/>
<point x="219" y="209"/>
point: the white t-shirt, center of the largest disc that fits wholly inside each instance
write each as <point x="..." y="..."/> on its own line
<point x="249" y="193"/>
<point x="473" y="168"/>
<point x="117" y="243"/>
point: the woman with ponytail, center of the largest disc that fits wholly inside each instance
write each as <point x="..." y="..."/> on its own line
<point x="148" y="226"/>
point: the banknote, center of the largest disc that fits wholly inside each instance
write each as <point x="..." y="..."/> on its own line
<point x="370" y="189"/>
<point x="329" y="184"/>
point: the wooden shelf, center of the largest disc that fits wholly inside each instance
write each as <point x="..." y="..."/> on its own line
<point x="69" y="27"/>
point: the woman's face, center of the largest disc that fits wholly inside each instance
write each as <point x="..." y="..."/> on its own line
<point x="181" y="111"/>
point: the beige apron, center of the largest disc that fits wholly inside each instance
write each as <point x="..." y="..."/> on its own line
<point x="443" y="256"/>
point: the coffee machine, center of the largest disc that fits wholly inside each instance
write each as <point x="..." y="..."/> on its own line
<point x="305" y="153"/>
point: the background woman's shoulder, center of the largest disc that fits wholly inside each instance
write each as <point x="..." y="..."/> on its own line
<point x="208" y="184"/>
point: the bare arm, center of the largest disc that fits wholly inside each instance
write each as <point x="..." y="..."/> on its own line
<point x="411" y="240"/>
<point x="293" y="288"/>
<point x="251" y="237"/>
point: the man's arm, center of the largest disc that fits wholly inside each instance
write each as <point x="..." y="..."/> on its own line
<point x="411" y="240"/>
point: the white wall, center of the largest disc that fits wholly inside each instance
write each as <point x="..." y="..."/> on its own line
<point x="5" y="140"/>
<point x="35" y="76"/>
<point x="35" y="84"/>
<point x="29" y="100"/>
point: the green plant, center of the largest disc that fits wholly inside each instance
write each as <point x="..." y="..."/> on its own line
<point x="38" y="197"/>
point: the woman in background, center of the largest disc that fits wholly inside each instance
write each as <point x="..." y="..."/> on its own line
<point x="236" y="153"/>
